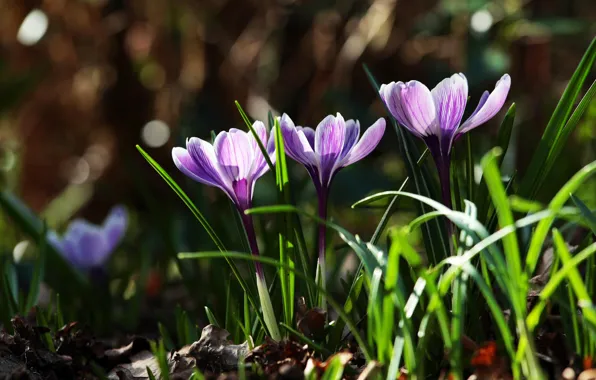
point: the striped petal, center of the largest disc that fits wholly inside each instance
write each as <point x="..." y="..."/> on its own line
<point x="450" y="97"/>
<point x="489" y="105"/>
<point x="330" y="136"/>
<point x="234" y="154"/>
<point x="412" y="105"/>
<point x="369" y="141"/>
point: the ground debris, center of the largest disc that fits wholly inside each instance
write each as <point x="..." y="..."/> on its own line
<point x="24" y="356"/>
<point x="211" y="353"/>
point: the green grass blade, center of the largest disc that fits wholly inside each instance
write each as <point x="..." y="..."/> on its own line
<point x="575" y="279"/>
<point x="555" y="205"/>
<point x="370" y="260"/>
<point x="195" y="211"/>
<point x="285" y="234"/>
<point x="565" y="132"/>
<point x="497" y="192"/>
<point x="210" y="231"/>
<point x="269" y="261"/>
<point x="56" y="269"/>
<point x="555" y="280"/>
<point x="588" y="215"/>
<point x="38" y="273"/>
<point x="503" y="139"/>
<point x="549" y="143"/>
<point x="211" y="317"/>
<point x="254" y="133"/>
<point x="303" y="338"/>
<point x="46" y="337"/>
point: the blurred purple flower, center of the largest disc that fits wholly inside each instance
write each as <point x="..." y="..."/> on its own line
<point x="233" y="163"/>
<point x="87" y="246"/>
<point x="435" y="116"/>
<point x="334" y="144"/>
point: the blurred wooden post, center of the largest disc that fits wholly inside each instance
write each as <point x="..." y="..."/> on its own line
<point x="531" y="73"/>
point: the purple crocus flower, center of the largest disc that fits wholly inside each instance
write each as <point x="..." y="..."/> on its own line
<point x="233" y="163"/>
<point x="435" y="116"/>
<point x="87" y="246"/>
<point x="334" y="144"/>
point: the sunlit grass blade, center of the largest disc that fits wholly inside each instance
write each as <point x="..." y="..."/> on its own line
<point x="159" y="351"/>
<point x="503" y="139"/>
<point x="575" y="279"/>
<point x="398" y="349"/>
<point x="335" y="369"/>
<point x="497" y="192"/>
<point x="549" y="142"/>
<point x="459" y="290"/>
<point x="555" y="280"/>
<point x="556" y="204"/>
<point x="285" y="235"/>
<point x="269" y="261"/>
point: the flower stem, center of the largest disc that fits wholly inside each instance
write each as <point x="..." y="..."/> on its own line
<point x="321" y="268"/>
<point x="443" y="166"/>
<point x="444" y="177"/>
<point x="252" y="240"/>
<point x="266" y="306"/>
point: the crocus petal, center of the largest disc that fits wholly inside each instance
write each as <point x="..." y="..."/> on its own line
<point x="114" y="226"/>
<point x="309" y="133"/>
<point x="234" y="154"/>
<point x="412" y="105"/>
<point x="330" y="135"/>
<point x="296" y="142"/>
<point x="450" y="97"/>
<point x="369" y="141"/>
<point x="352" y="134"/>
<point x="260" y="165"/>
<point x="489" y="105"/>
<point x="198" y="162"/>
<point x="391" y="95"/>
<point x="418" y="108"/>
<point x="93" y="249"/>
<point x="84" y="244"/>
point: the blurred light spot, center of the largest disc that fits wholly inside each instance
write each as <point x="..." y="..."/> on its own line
<point x="152" y="76"/>
<point x="155" y="133"/>
<point x="77" y="170"/>
<point x="481" y="21"/>
<point x="98" y="157"/>
<point x="258" y="107"/>
<point x="33" y="28"/>
<point x="8" y="159"/>
<point x="19" y="250"/>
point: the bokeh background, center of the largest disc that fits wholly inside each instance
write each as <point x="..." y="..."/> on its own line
<point x="83" y="81"/>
